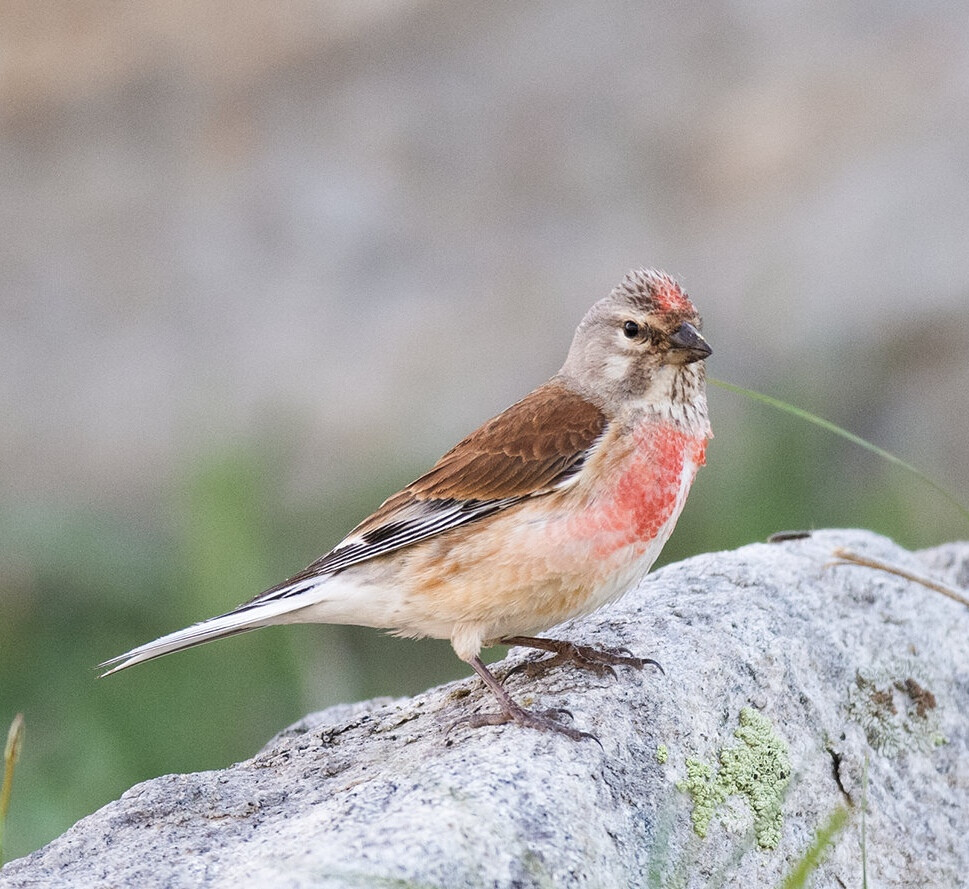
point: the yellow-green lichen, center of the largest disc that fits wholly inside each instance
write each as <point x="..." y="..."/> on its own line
<point x="757" y="769"/>
<point x="662" y="754"/>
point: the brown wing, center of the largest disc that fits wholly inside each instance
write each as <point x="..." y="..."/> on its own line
<point x="526" y="450"/>
<point x="523" y="450"/>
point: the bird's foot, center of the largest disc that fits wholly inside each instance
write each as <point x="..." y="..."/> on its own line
<point x="600" y="661"/>
<point x="542" y="720"/>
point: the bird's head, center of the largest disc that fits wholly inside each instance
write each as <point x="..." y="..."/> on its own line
<point x="640" y="348"/>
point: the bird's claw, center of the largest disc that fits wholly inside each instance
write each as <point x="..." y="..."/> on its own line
<point x="542" y="720"/>
<point x="597" y="660"/>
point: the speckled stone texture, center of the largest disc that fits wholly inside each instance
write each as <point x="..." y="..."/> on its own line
<point x="858" y="677"/>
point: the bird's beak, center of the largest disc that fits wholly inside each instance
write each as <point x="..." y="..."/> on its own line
<point x="688" y="345"/>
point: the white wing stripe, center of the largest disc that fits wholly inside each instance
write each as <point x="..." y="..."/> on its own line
<point x="434" y="521"/>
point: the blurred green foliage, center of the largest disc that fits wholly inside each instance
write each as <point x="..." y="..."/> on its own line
<point x="79" y="586"/>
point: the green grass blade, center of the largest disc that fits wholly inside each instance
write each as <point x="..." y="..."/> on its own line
<point x="811" y="859"/>
<point x="11" y="753"/>
<point x="844" y="433"/>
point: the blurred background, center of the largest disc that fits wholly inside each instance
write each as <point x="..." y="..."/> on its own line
<point x="260" y="264"/>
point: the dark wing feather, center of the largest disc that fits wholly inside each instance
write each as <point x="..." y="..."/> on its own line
<point x="526" y="450"/>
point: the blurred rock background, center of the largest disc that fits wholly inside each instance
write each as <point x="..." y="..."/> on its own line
<point x="261" y="263"/>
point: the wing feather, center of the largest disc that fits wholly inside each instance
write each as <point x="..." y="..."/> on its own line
<point x="520" y="452"/>
<point x="529" y="449"/>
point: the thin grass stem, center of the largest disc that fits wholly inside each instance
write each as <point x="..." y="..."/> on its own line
<point x="843" y="433"/>
<point x="11" y="753"/>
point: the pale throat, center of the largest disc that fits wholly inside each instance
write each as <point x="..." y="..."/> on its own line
<point x="675" y="395"/>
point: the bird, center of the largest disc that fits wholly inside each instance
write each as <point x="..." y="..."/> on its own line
<point x="550" y="510"/>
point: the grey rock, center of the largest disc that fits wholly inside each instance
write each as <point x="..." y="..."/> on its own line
<point x="852" y="684"/>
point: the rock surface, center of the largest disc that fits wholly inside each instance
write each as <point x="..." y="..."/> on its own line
<point x="792" y="687"/>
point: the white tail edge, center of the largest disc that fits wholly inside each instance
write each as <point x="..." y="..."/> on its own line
<point x="245" y="618"/>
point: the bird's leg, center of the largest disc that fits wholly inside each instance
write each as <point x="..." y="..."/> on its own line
<point x="511" y="712"/>
<point x="599" y="661"/>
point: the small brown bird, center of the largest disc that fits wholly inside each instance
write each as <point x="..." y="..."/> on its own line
<point x="550" y="510"/>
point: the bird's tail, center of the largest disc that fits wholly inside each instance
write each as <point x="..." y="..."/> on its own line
<point x="258" y="613"/>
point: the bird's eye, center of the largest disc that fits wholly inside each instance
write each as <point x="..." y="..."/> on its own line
<point x="631" y="329"/>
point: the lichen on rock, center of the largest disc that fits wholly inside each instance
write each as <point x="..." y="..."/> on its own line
<point x="757" y="769"/>
<point x="895" y="706"/>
